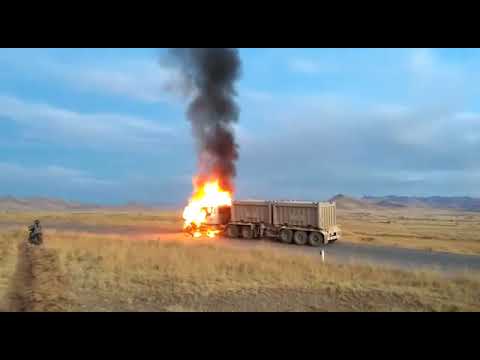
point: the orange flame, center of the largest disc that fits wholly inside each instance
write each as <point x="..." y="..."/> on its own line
<point x="208" y="195"/>
<point x="212" y="233"/>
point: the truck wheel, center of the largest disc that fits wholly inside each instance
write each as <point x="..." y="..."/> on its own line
<point x="300" y="237"/>
<point x="315" y="239"/>
<point x="233" y="231"/>
<point x="286" y="236"/>
<point x="247" y="232"/>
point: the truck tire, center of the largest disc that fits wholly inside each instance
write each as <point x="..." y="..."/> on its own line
<point x="232" y="231"/>
<point x="315" y="239"/>
<point x="247" y="232"/>
<point x="300" y="237"/>
<point x="286" y="236"/>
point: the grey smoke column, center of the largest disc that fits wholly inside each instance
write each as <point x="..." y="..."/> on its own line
<point x="211" y="76"/>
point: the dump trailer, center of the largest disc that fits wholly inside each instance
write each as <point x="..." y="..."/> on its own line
<point x="299" y="222"/>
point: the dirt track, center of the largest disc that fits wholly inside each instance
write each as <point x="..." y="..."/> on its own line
<point x="38" y="283"/>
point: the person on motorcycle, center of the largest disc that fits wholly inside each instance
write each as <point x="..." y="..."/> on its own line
<point x="36" y="236"/>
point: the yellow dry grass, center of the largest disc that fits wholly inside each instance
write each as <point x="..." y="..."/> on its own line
<point x="423" y="229"/>
<point x="96" y="218"/>
<point x="8" y="260"/>
<point x="114" y="273"/>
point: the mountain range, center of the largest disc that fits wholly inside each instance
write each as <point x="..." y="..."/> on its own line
<point x="464" y="203"/>
<point x="344" y="202"/>
<point x="9" y="203"/>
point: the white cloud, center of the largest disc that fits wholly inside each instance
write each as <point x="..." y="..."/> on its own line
<point x="347" y="147"/>
<point x="435" y="80"/>
<point x="256" y="95"/>
<point x="295" y="143"/>
<point x="139" y="80"/>
<point x="391" y="110"/>
<point x="422" y="62"/>
<point x="468" y="116"/>
<point x="309" y="66"/>
<point x="50" y="173"/>
<point x="42" y="121"/>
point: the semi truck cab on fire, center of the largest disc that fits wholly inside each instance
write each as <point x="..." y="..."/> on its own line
<point x="217" y="216"/>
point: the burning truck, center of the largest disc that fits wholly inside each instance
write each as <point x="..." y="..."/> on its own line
<point x="212" y="212"/>
<point x="207" y="211"/>
<point x="209" y="76"/>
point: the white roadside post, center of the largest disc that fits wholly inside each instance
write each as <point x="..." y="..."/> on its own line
<point x="322" y="252"/>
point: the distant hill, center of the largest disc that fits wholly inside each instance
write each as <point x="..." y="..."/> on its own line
<point x="135" y="206"/>
<point x="437" y="202"/>
<point x="32" y="204"/>
<point x="397" y="202"/>
<point x="344" y="202"/>
<point x="9" y="203"/>
<point x="389" y="204"/>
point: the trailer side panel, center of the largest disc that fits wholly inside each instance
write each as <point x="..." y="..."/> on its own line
<point x="304" y="214"/>
<point x="252" y="212"/>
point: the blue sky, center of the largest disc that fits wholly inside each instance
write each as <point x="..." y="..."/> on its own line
<point x="99" y="125"/>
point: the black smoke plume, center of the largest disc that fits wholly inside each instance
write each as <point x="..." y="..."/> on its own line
<point x="210" y="76"/>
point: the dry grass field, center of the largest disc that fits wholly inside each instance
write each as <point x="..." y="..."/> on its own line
<point x="133" y="261"/>
<point x="87" y="272"/>
<point x="423" y="229"/>
<point x="416" y="228"/>
<point x="167" y="220"/>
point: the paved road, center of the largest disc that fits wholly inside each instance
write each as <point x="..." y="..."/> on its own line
<point x="344" y="252"/>
<point x="405" y="258"/>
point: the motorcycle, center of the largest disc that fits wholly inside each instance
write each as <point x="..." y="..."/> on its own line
<point x="34" y="237"/>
